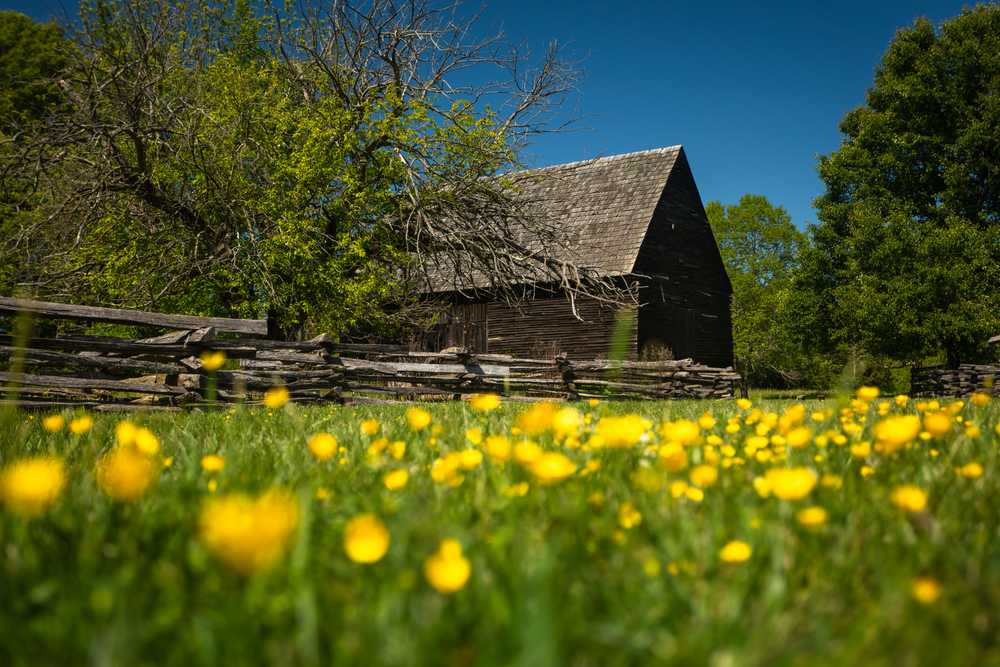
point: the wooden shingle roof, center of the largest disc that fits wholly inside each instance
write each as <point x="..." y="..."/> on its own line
<point x="604" y="206"/>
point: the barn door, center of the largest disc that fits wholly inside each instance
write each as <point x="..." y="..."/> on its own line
<point x="684" y="345"/>
<point x="464" y="326"/>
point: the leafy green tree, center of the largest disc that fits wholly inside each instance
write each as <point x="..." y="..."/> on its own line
<point x="903" y="261"/>
<point x="307" y="161"/>
<point x="759" y="245"/>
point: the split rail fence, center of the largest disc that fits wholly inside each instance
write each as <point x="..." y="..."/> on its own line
<point x="166" y="372"/>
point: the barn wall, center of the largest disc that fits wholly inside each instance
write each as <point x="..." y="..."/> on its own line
<point x="688" y="293"/>
<point x="546" y="327"/>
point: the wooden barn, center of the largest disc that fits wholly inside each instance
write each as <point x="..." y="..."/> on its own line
<point x="638" y="216"/>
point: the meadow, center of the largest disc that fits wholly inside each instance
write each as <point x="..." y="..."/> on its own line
<point x="855" y="530"/>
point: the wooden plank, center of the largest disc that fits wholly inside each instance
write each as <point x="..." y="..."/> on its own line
<point x="64" y="311"/>
<point x="50" y="358"/>
<point x="82" y="383"/>
<point x="128" y="346"/>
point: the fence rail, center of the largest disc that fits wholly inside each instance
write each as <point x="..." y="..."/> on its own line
<point x="166" y="372"/>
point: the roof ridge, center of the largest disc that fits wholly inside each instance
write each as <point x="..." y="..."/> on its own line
<point x="604" y="160"/>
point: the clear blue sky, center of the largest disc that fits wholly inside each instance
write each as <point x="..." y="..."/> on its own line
<point x="753" y="91"/>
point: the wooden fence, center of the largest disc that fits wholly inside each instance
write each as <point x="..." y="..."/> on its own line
<point x="166" y="372"/>
<point x="961" y="381"/>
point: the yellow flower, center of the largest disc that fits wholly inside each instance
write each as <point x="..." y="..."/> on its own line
<point x="628" y="516"/>
<point x="445" y="469"/>
<point x="447" y="570"/>
<point x="901" y="400"/>
<point x="971" y="470"/>
<point x="146" y="442"/>
<point x="125" y="474"/>
<point x="799" y="438"/>
<point x="593" y="402"/>
<point x="212" y="361"/>
<point x="868" y="394"/>
<point x="980" y="398"/>
<point x="552" y="467"/>
<point x="762" y="486"/>
<point x="249" y="534"/>
<point x="694" y="494"/>
<point x="470" y="458"/>
<point x="397" y="449"/>
<point x="744" y="404"/>
<point x="537" y="420"/>
<point x="81" y="425"/>
<point x="703" y="475"/>
<point x="909" y="498"/>
<point x="54" y="423"/>
<point x="972" y="432"/>
<point x="893" y="433"/>
<point x="484" y="402"/>
<point x="678" y="488"/>
<point x="861" y="449"/>
<point x="812" y="517"/>
<point x="322" y="446"/>
<point x="517" y="490"/>
<point x="378" y="446"/>
<point x="212" y="463"/>
<point x="167" y="462"/>
<point x="683" y="431"/>
<point x="366" y="539"/>
<point x="125" y="434"/>
<point x="791" y="483"/>
<point x="370" y="427"/>
<point x="673" y="457"/>
<point x="925" y="590"/>
<point x="566" y="422"/>
<point x="498" y="447"/>
<point x="276" y="397"/>
<point x="396" y="480"/>
<point x="866" y="471"/>
<point x="474" y="435"/>
<point x="31" y="486"/>
<point x="937" y="423"/>
<point x="831" y="481"/>
<point x="418" y="419"/>
<point x="527" y="452"/>
<point x="735" y="552"/>
<point x="706" y="421"/>
<point x="623" y="431"/>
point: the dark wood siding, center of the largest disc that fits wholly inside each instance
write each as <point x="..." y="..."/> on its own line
<point x="685" y="275"/>
<point x="546" y="327"/>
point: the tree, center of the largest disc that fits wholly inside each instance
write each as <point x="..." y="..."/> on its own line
<point x="309" y="161"/>
<point x="903" y="261"/>
<point x="759" y="245"/>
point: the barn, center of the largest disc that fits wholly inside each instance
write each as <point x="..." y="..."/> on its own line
<point x="638" y="216"/>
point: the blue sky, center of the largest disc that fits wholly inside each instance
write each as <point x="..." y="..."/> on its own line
<point x="753" y="91"/>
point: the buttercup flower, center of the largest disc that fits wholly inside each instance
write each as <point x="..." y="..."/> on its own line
<point x="790" y="483"/>
<point x="53" y="423"/>
<point x="418" y="419"/>
<point x="249" y="534"/>
<point x="366" y="539"/>
<point x="81" y="425"/>
<point x="937" y="423"/>
<point x="704" y="475"/>
<point x="909" y="498"/>
<point x="893" y="433"/>
<point x="31" y="486"/>
<point x="484" y="402"/>
<point x="212" y="361"/>
<point x="323" y="446"/>
<point x="682" y="431"/>
<point x="537" y="420"/>
<point x="474" y="435"/>
<point x="498" y="447"/>
<point x="527" y="452"/>
<point x="628" y="516"/>
<point x="925" y="590"/>
<point x="799" y="438"/>
<point x="735" y="552"/>
<point x="868" y="394"/>
<point x="125" y="474"/>
<point x="812" y="517"/>
<point x="552" y="467"/>
<point x="623" y="431"/>
<point x="276" y="397"/>
<point x="673" y="456"/>
<point x="212" y="463"/>
<point x="447" y="570"/>
<point x="146" y="442"/>
<point x="971" y="470"/>
<point x="396" y="480"/>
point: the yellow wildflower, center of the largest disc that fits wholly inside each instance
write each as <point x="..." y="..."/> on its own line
<point x="678" y="488"/>
<point x="552" y="467"/>
<point x="517" y="490"/>
<point x="867" y="471"/>
<point x="81" y="425"/>
<point x="146" y="442"/>
<point x="396" y="480"/>
<point x="704" y="475"/>
<point x="447" y="570"/>
<point x="831" y="481"/>
<point x="445" y="469"/>
<point x="706" y="421"/>
<point x="937" y="423"/>
<point x="29" y="487"/>
<point x="925" y="590"/>
<point x="397" y="449"/>
<point x="125" y="474"/>
<point x="683" y="431"/>
<point x="370" y="427"/>
<point x="322" y="446"/>
<point x="697" y="495"/>
<point x="799" y="438"/>
<point x="276" y="397"/>
<point x="484" y="402"/>
<point x="212" y="463"/>
<point x="249" y="534"/>
<point x="861" y="449"/>
<point x="54" y="423"/>
<point x="868" y="394"/>
<point x="418" y="419"/>
<point x="762" y="486"/>
<point x="971" y="470"/>
<point x="894" y="433"/>
<point x="972" y="432"/>
<point x="628" y="516"/>
<point x="812" y="517"/>
<point x="212" y="361"/>
<point x="909" y="498"/>
<point x="980" y="399"/>
<point x="735" y="552"/>
<point x="474" y="435"/>
<point x="622" y="431"/>
<point x="537" y="420"/>
<point x="791" y="483"/>
<point x="901" y="400"/>
<point x="366" y="539"/>
<point x="744" y="404"/>
<point x="470" y="458"/>
<point x="527" y="452"/>
<point x="498" y="447"/>
<point x="673" y="457"/>
<point x="566" y="422"/>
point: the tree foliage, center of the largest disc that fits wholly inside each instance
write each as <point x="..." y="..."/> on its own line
<point x="759" y="245"/>
<point x="308" y="161"/>
<point x="903" y="262"/>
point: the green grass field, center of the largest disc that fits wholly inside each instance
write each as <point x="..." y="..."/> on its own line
<point x="674" y="537"/>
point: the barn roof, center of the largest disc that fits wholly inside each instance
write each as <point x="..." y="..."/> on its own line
<point x="603" y="208"/>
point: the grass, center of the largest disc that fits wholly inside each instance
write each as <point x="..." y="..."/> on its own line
<point x="562" y="575"/>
